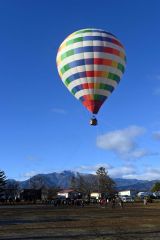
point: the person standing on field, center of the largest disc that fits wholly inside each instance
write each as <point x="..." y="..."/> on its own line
<point x="145" y="201"/>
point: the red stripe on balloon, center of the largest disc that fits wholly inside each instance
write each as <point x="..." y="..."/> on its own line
<point x="87" y="85"/>
<point x="95" y="74"/>
<point x="101" y="61"/>
<point x="92" y="105"/>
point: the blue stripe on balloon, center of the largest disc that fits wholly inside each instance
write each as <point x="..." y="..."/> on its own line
<point x="83" y="49"/>
<point x="76" y="63"/>
<point x="89" y="49"/>
<point x="100" y="98"/>
<point x="81" y="87"/>
<point x="89" y="61"/>
<point x="75" y="77"/>
<point x="81" y="62"/>
<point x="82" y="74"/>
<point x="98" y="38"/>
<point x="77" y="89"/>
<point x="81" y="99"/>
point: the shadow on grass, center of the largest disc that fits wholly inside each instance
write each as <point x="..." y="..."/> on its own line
<point x="21" y="221"/>
<point x="125" y="235"/>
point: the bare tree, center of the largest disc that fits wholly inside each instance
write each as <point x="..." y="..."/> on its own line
<point x="105" y="183"/>
<point x="12" y="190"/>
<point x="84" y="183"/>
<point x="52" y="192"/>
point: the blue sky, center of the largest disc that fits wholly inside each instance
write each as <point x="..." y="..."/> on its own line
<point x="42" y="127"/>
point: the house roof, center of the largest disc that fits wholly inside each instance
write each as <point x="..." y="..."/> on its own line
<point x="127" y="190"/>
<point x="67" y="191"/>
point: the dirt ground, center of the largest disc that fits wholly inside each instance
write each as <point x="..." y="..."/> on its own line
<point x="90" y="222"/>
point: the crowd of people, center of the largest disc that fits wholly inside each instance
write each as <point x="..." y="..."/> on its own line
<point x="103" y="202"/>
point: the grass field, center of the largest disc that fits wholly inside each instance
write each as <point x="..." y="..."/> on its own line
<point x="91" y="222"/>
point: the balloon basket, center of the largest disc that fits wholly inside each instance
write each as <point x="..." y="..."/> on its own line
<point x="93" y="121"/>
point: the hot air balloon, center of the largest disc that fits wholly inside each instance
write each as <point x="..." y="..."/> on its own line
<point x="91" y="63"/>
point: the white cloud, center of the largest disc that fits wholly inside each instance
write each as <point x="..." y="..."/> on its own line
<point x="156" y="91"/>
<point x="157" y="76"/>
<point x="138" y="153"/>
<point x="132" y="172"/>
<point x="154" y="76"/>
<point x="148" y="174"/>
<point x="156" y="135"/>
<point x="92" y="168"/>
<point x="27" y="175"/>
<point x="124" y="171"/>
<point x="115" y="172"/>
<point x="32" y="158"/>
<point x="58" y="110"/>
<point x="123" y="142"/>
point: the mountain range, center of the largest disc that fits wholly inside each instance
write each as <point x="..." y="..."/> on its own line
<point x="63" y="180"/>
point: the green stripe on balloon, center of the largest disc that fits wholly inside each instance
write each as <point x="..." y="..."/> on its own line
<point x="67" y="54"/>
<point x="83" y="31"/>
<point x="73" y="91"/>
<point x="97" y="97"/>
<point x="121" y="67"/>
<point x="75" y="40"/>
<point x="81" y="39"/>
<point x="106" y="87"/>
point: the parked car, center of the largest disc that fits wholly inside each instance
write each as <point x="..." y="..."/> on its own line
<point x="127" y="199"/>
<point x="93" y="200"/>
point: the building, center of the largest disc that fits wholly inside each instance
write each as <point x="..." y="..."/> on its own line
<point x="10" y="194"/>
<point x="30" y="194"/>
<point x="95" y="195"/>
<point x="130" y="193"/>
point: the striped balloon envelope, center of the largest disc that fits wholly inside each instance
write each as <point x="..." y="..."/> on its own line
<point x="91" y="63"/>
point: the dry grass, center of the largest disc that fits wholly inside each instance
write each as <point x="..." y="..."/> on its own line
<point x="91" y="222"/>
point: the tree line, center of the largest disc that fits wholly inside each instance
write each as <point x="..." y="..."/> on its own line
<point x="101" y="182"/>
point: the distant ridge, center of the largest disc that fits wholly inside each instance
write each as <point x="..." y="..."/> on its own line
<point x="63" y="179"/>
